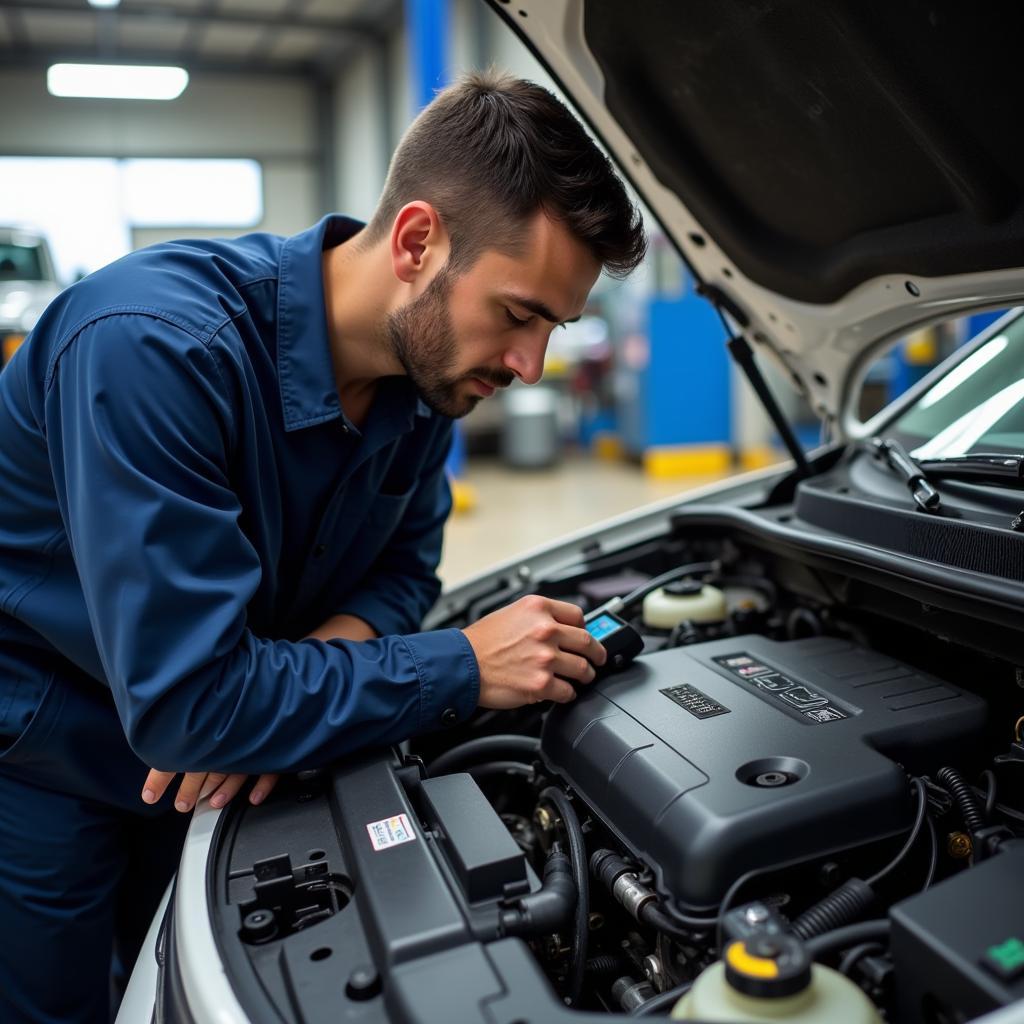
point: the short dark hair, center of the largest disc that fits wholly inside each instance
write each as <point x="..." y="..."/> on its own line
<point x="489" y="152"/>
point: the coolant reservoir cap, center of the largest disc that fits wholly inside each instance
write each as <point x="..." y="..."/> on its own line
<point x="768" y="966"/>
<point x="683" y="588"/>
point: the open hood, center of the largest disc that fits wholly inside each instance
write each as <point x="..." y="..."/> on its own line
<point x="835" y="174"/>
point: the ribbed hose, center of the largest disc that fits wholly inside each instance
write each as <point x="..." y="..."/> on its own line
<point x="578" y="858"/>
<point x="963" y="796"/>
<point x="605" y="964"/>
<point x="851" y="900"/>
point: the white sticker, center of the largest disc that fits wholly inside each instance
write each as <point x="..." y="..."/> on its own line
<point x="390" y="832"/>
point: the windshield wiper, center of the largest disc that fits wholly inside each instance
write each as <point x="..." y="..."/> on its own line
<point x="894" y="455"/>
<point x="980" y="466"/>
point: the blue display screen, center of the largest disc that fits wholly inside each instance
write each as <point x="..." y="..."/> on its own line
<point x="602" y="626"/>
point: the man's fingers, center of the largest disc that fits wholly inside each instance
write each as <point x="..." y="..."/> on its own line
<point x="560" y="692"/>
<point x="213" y="780"/>
<point x="156" y="785"/>
<point x="228" y="788"/>
<point x="562" y="611"/>
<point x="189" y="790"/>
<point x="572" y="666"/>
<point x="218" y="786"/>
<point x="579" y="641"/>
<point x="260" y="792"/>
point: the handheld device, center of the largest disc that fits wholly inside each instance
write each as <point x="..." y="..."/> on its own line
<point x="622" y="642"/>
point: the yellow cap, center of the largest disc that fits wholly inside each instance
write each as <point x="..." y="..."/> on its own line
<point x="737" y="957"/>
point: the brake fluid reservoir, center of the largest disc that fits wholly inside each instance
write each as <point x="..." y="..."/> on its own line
<point x="683" y="601"/>
<point x="770" y="978"/>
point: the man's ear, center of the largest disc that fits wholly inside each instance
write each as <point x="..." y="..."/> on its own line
<point x="419" y="242"/>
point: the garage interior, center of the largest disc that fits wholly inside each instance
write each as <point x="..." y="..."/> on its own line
<point x="291" y="110"/>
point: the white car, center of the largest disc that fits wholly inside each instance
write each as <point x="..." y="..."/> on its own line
<point x="803" y="800"/>
<point x="27" y="284"/>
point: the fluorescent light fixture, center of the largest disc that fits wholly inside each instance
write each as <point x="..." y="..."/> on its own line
<point x="104" y="3"/>
<point x="116" y="81"/>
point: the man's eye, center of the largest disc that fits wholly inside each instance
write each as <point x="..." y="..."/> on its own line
<point x="514" y="320"/>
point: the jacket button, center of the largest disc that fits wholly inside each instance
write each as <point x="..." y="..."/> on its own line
<point x="449" y="717"/>
<point x="320" y="550"/>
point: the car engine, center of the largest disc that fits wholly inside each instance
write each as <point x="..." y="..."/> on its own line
<point x="794" y="764"/>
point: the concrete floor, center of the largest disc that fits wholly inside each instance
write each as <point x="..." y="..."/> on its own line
<point x="517" y="510"/>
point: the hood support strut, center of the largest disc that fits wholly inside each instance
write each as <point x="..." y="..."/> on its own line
<point x="744" y="356"/>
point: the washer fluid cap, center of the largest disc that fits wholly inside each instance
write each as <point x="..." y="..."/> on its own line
<point x="768" y="966"/>
<point x="664" y="609"/>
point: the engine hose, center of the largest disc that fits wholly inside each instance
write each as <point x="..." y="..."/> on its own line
<point x="990" y="792"/>
<point x="963" y="796"/>
<point x="578" y="859"/>
<point x="605" y="964"/>
<point x="503" y="768"/>
<point x="853" y="956"/>
<point x="651" y="914"/>
<point x="851" y="900"/>
<point x="915" y="831"/>
<point x="803" y="619"/>
<point x="485" y="748"/>
<point x="851" y="935"/>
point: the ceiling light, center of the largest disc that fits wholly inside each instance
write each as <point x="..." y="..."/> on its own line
<point x="104" y="3"/>
<point x="116" y="81"/>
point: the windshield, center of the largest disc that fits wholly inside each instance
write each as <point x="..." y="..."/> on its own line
<point x="20" y="262"/>
<point x="978" y="406"/>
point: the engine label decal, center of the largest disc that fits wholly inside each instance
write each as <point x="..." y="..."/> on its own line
<point x="700" y="705"/>
<point x="808" y="705"/>
<point x="390" y="832"/>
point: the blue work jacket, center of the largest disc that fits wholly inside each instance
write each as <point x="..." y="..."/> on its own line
<point x="182" y="499"/>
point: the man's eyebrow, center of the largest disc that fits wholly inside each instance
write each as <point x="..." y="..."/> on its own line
<point x="538" y="307"/>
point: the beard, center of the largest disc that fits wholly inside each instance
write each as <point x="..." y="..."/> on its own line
<point x="422" y="338"/>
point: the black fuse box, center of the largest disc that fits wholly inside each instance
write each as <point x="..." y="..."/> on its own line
<point x="959" y="947"/>
<point x="485" y="858"/>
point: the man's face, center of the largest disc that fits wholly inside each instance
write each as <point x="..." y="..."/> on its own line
<point x="465" y="336"/>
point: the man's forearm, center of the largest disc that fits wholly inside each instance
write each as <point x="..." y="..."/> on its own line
<point x="344" y="627"/>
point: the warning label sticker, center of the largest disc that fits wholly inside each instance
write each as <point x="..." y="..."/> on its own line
<point x="390" y="832"/>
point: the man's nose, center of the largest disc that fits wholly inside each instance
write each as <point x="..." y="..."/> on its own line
<point x="526" y="360"/>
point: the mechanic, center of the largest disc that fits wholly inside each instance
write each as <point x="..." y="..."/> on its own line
<point x="222" y="497"/>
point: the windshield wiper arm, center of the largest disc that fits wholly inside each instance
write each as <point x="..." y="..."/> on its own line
<point x="895" y="456"/>
<point x="979" y="465"/>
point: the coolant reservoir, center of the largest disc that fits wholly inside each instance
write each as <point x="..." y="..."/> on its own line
<point x="683" y="601"/>
<point x="770" y="978"/>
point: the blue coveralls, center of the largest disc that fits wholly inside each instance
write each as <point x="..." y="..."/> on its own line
<point x="181" y="500"/>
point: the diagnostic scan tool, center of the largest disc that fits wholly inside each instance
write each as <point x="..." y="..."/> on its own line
<point x="622" y="642"/>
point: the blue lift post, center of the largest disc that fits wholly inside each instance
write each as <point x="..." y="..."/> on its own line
<point x="677" y="420"/>
<point x="427" y="31"/>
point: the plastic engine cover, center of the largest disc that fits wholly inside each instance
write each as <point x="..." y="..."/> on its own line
<point x="711" y="760"/>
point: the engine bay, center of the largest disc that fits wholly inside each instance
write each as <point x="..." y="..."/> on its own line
<point x="795" y="771"/>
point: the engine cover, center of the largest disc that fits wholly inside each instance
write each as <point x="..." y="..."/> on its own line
<point x="715" y="759"/>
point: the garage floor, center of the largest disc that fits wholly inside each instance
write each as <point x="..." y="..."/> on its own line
<point x="517" y="510"/>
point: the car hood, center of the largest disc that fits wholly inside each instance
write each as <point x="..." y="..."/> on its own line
<point x="833" y="174"/>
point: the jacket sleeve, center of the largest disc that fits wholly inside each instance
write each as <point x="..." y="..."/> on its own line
<point x="140" y="434"/>
<point x="402" y="584"/>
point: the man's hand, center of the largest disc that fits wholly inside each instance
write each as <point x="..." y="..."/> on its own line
<point x="527" y="651"/>
<point x="219" y="786"/>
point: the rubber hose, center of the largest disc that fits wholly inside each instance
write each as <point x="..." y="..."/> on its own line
<point x="915" y="831"/>
<point x="662" y="1001"/>
<point x="851" y="935"/>
<point x="963" y="796"/>
<point x="485" y="748"/>
<point x="578" y="859"/>
<point x="654" y="916"/>
<point x="605" y="964"/>
<point x="990" y="793"/>
<point x="850" y="901"/>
